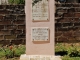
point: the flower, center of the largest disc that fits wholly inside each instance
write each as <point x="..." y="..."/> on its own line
<point x="11" y="47"/>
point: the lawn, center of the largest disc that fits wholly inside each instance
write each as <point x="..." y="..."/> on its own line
<point x="68" y="51"/>
<point x="12" y="52"/>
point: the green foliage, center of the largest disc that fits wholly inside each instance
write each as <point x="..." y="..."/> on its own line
<point x="60" y="47"/>
<point x="22" y="1"/>
<point x="74" y="53"/>
<point x="20" y="50"/>
<point x="70" y="58"/>
<point x="72" y="49"/>
<point x="16" y="51"/>
<point x="9" y="53"/>
<point x="2" y="53"/>
<point x="16" y="1"/>
<point x="11" y="1"/>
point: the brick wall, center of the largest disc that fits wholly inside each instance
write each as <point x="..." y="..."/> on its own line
<point x="12" y="24"/>
<point x="67" y="22"/>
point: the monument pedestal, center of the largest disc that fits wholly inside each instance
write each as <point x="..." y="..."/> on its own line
<point x="40" y="30"/>
<point x="39" y="57"/>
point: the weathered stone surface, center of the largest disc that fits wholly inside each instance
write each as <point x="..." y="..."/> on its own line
<point x="40" y="34"/>
<point x="39" y="57"/>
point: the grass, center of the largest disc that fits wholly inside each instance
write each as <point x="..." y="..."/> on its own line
<point x="2" y="53"/>
<point x="68" y="51"/>
<point x="11" y="52"/>
<point x="70" y="58"/>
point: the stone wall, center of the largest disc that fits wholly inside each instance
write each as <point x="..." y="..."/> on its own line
<point x="67" y="22"/>
<point x="12" y="24"/>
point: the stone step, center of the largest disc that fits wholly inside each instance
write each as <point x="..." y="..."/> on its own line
<point x="39" y="57"/>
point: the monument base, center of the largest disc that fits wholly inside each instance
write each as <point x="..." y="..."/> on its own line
<point x="39" y="57"/>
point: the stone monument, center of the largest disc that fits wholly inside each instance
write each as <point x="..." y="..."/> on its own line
<point x="40" y="30"/>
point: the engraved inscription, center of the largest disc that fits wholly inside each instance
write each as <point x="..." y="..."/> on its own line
<point x="40" y="34"/>
<point x="39" y="10"/>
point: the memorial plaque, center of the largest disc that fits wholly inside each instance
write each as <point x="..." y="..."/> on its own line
<point x="40" y="10"/>
<point x="40" y="34"/>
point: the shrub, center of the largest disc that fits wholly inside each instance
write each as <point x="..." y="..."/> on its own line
<point x="16" y="1"/>
<point x="2" y="53"/>
<point x="22" y="1"/>
<point x="12" y="51"/>
<point x="70" y="58"/>
<point x="11" y="1"/>
<point x="9" y="53"/>
<point x="20" y="50"/>
<point x="74" y="53"/>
